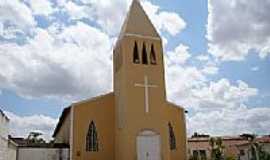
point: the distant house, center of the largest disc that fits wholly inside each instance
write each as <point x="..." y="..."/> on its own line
<point x="265" y="142"/>
<point x="245" y="150"/>
<point x="200" y="149"/>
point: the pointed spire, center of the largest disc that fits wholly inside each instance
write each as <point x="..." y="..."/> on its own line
<point x="137" y="22"/>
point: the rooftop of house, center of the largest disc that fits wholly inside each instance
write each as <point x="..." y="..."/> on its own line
<point x="263" y="139"/>
<point x="24" y="143"/>
<point x="205" y="138"/>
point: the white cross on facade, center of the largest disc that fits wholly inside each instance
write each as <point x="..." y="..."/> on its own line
<point x="146" y="87"/>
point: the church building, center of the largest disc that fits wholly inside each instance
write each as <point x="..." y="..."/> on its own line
<point x="135" y="121"/>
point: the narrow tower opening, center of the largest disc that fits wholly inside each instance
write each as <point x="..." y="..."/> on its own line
<point x="144" y="55"/>
<point x="153" y="59"/>
<point x="136" y="58"/>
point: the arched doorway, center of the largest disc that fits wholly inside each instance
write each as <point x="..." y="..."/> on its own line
<point x="148" y="145"/>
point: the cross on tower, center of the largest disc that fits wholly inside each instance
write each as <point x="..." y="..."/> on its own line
<point x="146" y="87"/>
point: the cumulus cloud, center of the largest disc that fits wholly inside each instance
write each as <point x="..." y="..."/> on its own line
<point x="237" y="27"/>
<point x="15" y="18"/>
<point x="72" y="64"/>
<point x="40" y="7"/>
<point x="219" y="108"/>
<point x="180" y="55"/>
<point x="210" y="69"/>
<point x="57" y="59"/>
<point x="76" y="11"/>
<point x="215" y="107"/>
<point x="223" y="94"/>
<point x="109" y="15"/>
<point x="220" y="94"/>
<point x="170" y="22"/>
<point x="181" y="81"/>
<point x="203" y="57"/>
<point x="22" y="125"/>
<point x="231" y="121"/>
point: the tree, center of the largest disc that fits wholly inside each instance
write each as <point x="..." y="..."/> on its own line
<point x="217" y="148"/>
<point x="33" y="138"/>
<point x="230" y="158"/>
<point x="258" y="153"/>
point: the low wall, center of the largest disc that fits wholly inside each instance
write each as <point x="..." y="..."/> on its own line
<point x="27" y="153"/>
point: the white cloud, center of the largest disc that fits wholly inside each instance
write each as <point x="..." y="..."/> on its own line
<point x="180" y="55"/>
<point x="41" y="7"/>
<point x="215" y="107"/>
<point x="22" y="125"/>
<point x="75" y="11"/>
<point x="224" y="94"/>
<point x="210" y="69"/>
<point x="170" y="22"/>
<point x="57" y="59"/>
<point x="203" y="57"/>
<point x="255" y="68"/>
<point x="231" y="121"/>
<point x="15" y="17"/>
<point x="72" y="64"/>
<point x="220" y="108"/>
<point x="243" y="28"/>
<point x="110" y="15"/>
<point x="181" y="81"/>
<point x="189" y="87"/>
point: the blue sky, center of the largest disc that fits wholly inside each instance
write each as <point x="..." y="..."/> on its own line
<point x="217" y="63"/>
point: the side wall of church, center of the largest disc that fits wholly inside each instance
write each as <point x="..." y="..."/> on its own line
<point x="100" y="110"/>
<point x="176" y="117"/>
<point x="63" y="135"/>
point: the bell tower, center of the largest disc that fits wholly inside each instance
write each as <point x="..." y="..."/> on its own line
<point x="139" y="83"/>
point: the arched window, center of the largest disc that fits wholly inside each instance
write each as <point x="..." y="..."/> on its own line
<point x="136" y="58"/>
<point x="153" y="59"/>
<point x="172" y="137"/>
<point x="92" y="138"/>
<point x="144" y="55"/>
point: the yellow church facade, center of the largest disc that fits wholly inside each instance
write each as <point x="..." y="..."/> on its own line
<point x="135" y="122"/>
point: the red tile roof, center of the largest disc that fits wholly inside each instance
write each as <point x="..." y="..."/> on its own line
<point x="264" y="139"/>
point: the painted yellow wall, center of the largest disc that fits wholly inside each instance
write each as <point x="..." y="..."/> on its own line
<point x="177" y="118"/>
<point x="101" y="111"/>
